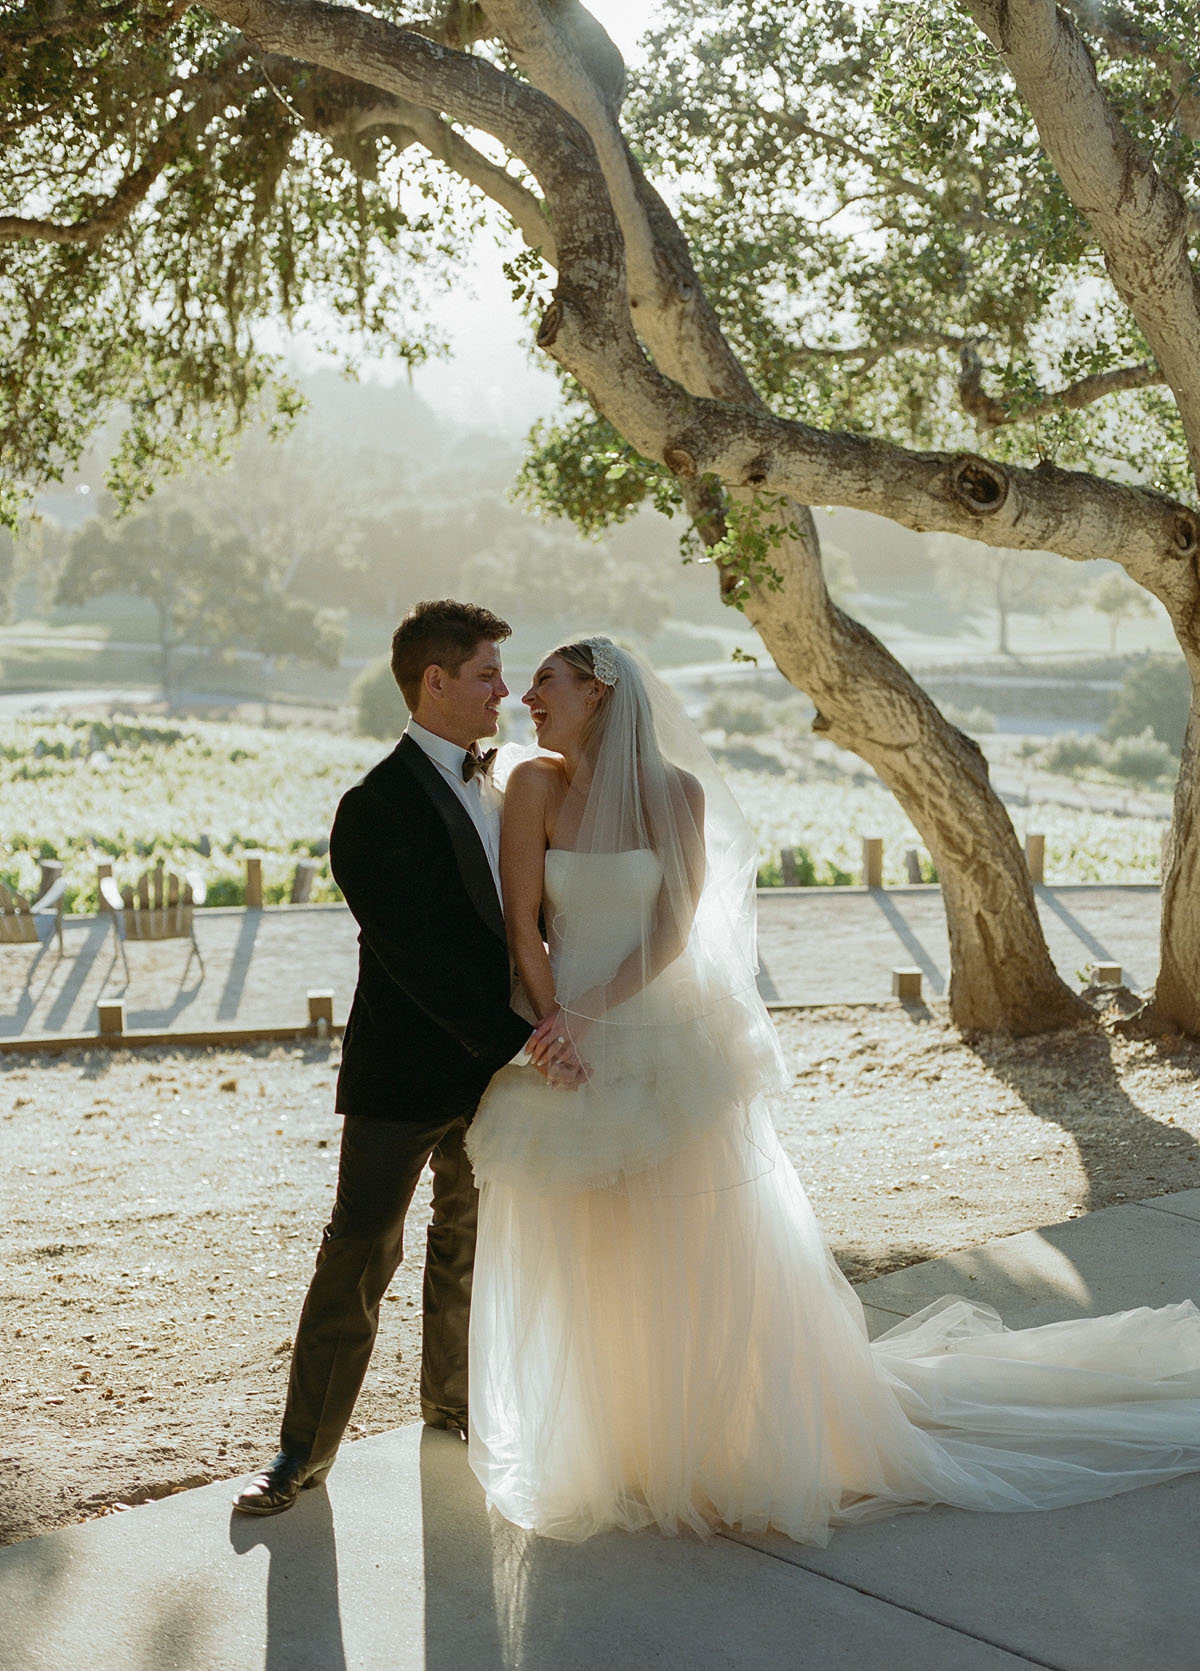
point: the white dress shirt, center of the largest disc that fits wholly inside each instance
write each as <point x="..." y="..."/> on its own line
<point x="480" y="797"/>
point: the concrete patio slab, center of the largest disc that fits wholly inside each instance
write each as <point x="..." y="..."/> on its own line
<point x="839" y="945"/>
<point x="1139" y="1254"/>
<point x="1184" y="1204"/>
<point x="1107" y="1586"/>
<point x="816" y="946"/>
<point x="397" y="1567"/>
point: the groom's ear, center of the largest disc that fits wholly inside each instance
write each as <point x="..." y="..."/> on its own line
<point x="433" y="680"/>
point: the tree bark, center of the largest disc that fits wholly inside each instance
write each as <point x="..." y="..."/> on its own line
<point x="1002" y="978"/>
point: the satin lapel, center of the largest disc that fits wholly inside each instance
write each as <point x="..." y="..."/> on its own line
<point x="464" y="837"/>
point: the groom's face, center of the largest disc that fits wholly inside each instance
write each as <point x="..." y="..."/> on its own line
<point x="470" y="699"/>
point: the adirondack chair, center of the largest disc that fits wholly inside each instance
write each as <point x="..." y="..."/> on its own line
<point x="24" y="924"/>
<point x="158" y="907"/>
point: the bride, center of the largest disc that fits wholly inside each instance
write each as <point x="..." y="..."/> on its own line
<point x="659" y="1335"/>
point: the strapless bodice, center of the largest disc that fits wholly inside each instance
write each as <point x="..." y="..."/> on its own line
<point x="609" y="900"/>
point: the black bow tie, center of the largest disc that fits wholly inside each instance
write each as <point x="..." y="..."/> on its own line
<point x="473" y="763"/>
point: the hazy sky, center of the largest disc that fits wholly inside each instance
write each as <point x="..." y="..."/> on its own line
<point x="493" y="381"/>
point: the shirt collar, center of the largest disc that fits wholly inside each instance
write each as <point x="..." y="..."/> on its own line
<point x="444" y="753"/>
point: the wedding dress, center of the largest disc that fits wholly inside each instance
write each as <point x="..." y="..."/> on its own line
<point x="660" y="1336"/>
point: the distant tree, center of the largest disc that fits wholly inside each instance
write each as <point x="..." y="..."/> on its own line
<point x="1004" y="583"/>
<point x="550" y="573"/>
<point x="1121" y="600"/>
<point x="206" y="589"/>
<point x="1154" y="696"/>
<point x="379" y="708"/>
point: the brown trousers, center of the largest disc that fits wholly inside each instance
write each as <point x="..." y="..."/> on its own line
<point x="363" y="1243"/>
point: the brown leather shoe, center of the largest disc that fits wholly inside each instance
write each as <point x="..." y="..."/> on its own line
<point x="452" y="1421"/>
<point x="278" y="1486"/>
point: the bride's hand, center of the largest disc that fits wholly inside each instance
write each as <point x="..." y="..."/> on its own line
<point x="554" y="1051"/>
<point x="554" y="1037"/>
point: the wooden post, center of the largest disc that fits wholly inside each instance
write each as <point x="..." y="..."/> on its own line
<point x="912" y="864"/>
<point x="320" y="1010"/>
<point x="51" y="871"/>
<point x="787" y="867"/>
<point x="872" y="861"/>
<point x="1035" y="856"/>
<point x="112" y="1015"/>
<point x="103" y="873"/>
<point x="906" y="985"/>
<point x="254" y="881"/>
<point x="1107" y="974"/>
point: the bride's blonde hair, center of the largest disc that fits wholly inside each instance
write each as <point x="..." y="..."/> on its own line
<point x="579" y="658"/>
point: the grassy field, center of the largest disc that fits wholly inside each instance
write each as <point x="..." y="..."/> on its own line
<point x="200" y="795"/>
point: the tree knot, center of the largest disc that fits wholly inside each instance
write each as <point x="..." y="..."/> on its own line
<point x="980" y="486"/>
<point x="680" y="462"/>
<point x="1185" y="534"/>
<point x="755" y="473"/>
<point x="551" y="324"/>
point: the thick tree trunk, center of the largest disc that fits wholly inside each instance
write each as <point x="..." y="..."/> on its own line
<point x="1176" y="997"/>
<point x="1001" y="976"/>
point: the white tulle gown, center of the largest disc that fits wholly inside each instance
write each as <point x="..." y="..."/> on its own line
<point x="659" y="1335"/>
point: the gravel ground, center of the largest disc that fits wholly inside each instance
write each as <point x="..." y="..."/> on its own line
<point x="162" y="1210"/>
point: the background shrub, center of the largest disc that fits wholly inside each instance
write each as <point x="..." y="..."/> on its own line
<point x="1154" y="695"/>
<point x="379" y="709"/>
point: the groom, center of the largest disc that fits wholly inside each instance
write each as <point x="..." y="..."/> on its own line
<point x="415" y="850"/>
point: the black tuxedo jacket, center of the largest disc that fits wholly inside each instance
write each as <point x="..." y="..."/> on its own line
<point x="430" y="1022"/>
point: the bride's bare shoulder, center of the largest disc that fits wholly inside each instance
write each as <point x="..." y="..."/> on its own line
<point x="686" y="789"/>
<point x="534" y="778"/>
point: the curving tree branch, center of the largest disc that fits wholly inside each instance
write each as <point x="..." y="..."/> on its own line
<point x="1139" y="219"/>
<point x="991" y="413"/>
<point x="974" y="220"/>
<point x="182" y="130"/>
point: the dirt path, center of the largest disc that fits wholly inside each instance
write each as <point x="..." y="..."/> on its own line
<point x="162" y="1211"/>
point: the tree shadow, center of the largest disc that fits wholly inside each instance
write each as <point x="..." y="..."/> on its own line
<point x="238" y="966"/>
<point x="1125" y="1153"/>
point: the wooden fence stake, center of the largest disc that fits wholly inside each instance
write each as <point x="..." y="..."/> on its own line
<point x="254" y="881"/>
<point x="112" y="1015"/>
<point x="906" y="985"/>
<point x="872" y="861"/>
<point x="1035" y="856"/>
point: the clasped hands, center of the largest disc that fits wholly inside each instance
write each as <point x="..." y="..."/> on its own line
<point x="552" y="1052"/>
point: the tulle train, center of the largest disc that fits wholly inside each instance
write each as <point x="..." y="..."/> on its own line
<point x="679" y="1351"/>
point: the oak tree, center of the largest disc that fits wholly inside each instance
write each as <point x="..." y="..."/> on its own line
<point x="939" y="192"/>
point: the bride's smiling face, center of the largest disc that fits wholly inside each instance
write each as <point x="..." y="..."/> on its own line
<point x="560" y="703"/>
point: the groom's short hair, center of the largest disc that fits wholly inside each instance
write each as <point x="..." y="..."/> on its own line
<point x="440" y="633"/>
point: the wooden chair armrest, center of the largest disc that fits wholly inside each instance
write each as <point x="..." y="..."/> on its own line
<point x="111" y="895"/>
<point x="52" y="899"/>
<point x="198" y="886"/>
